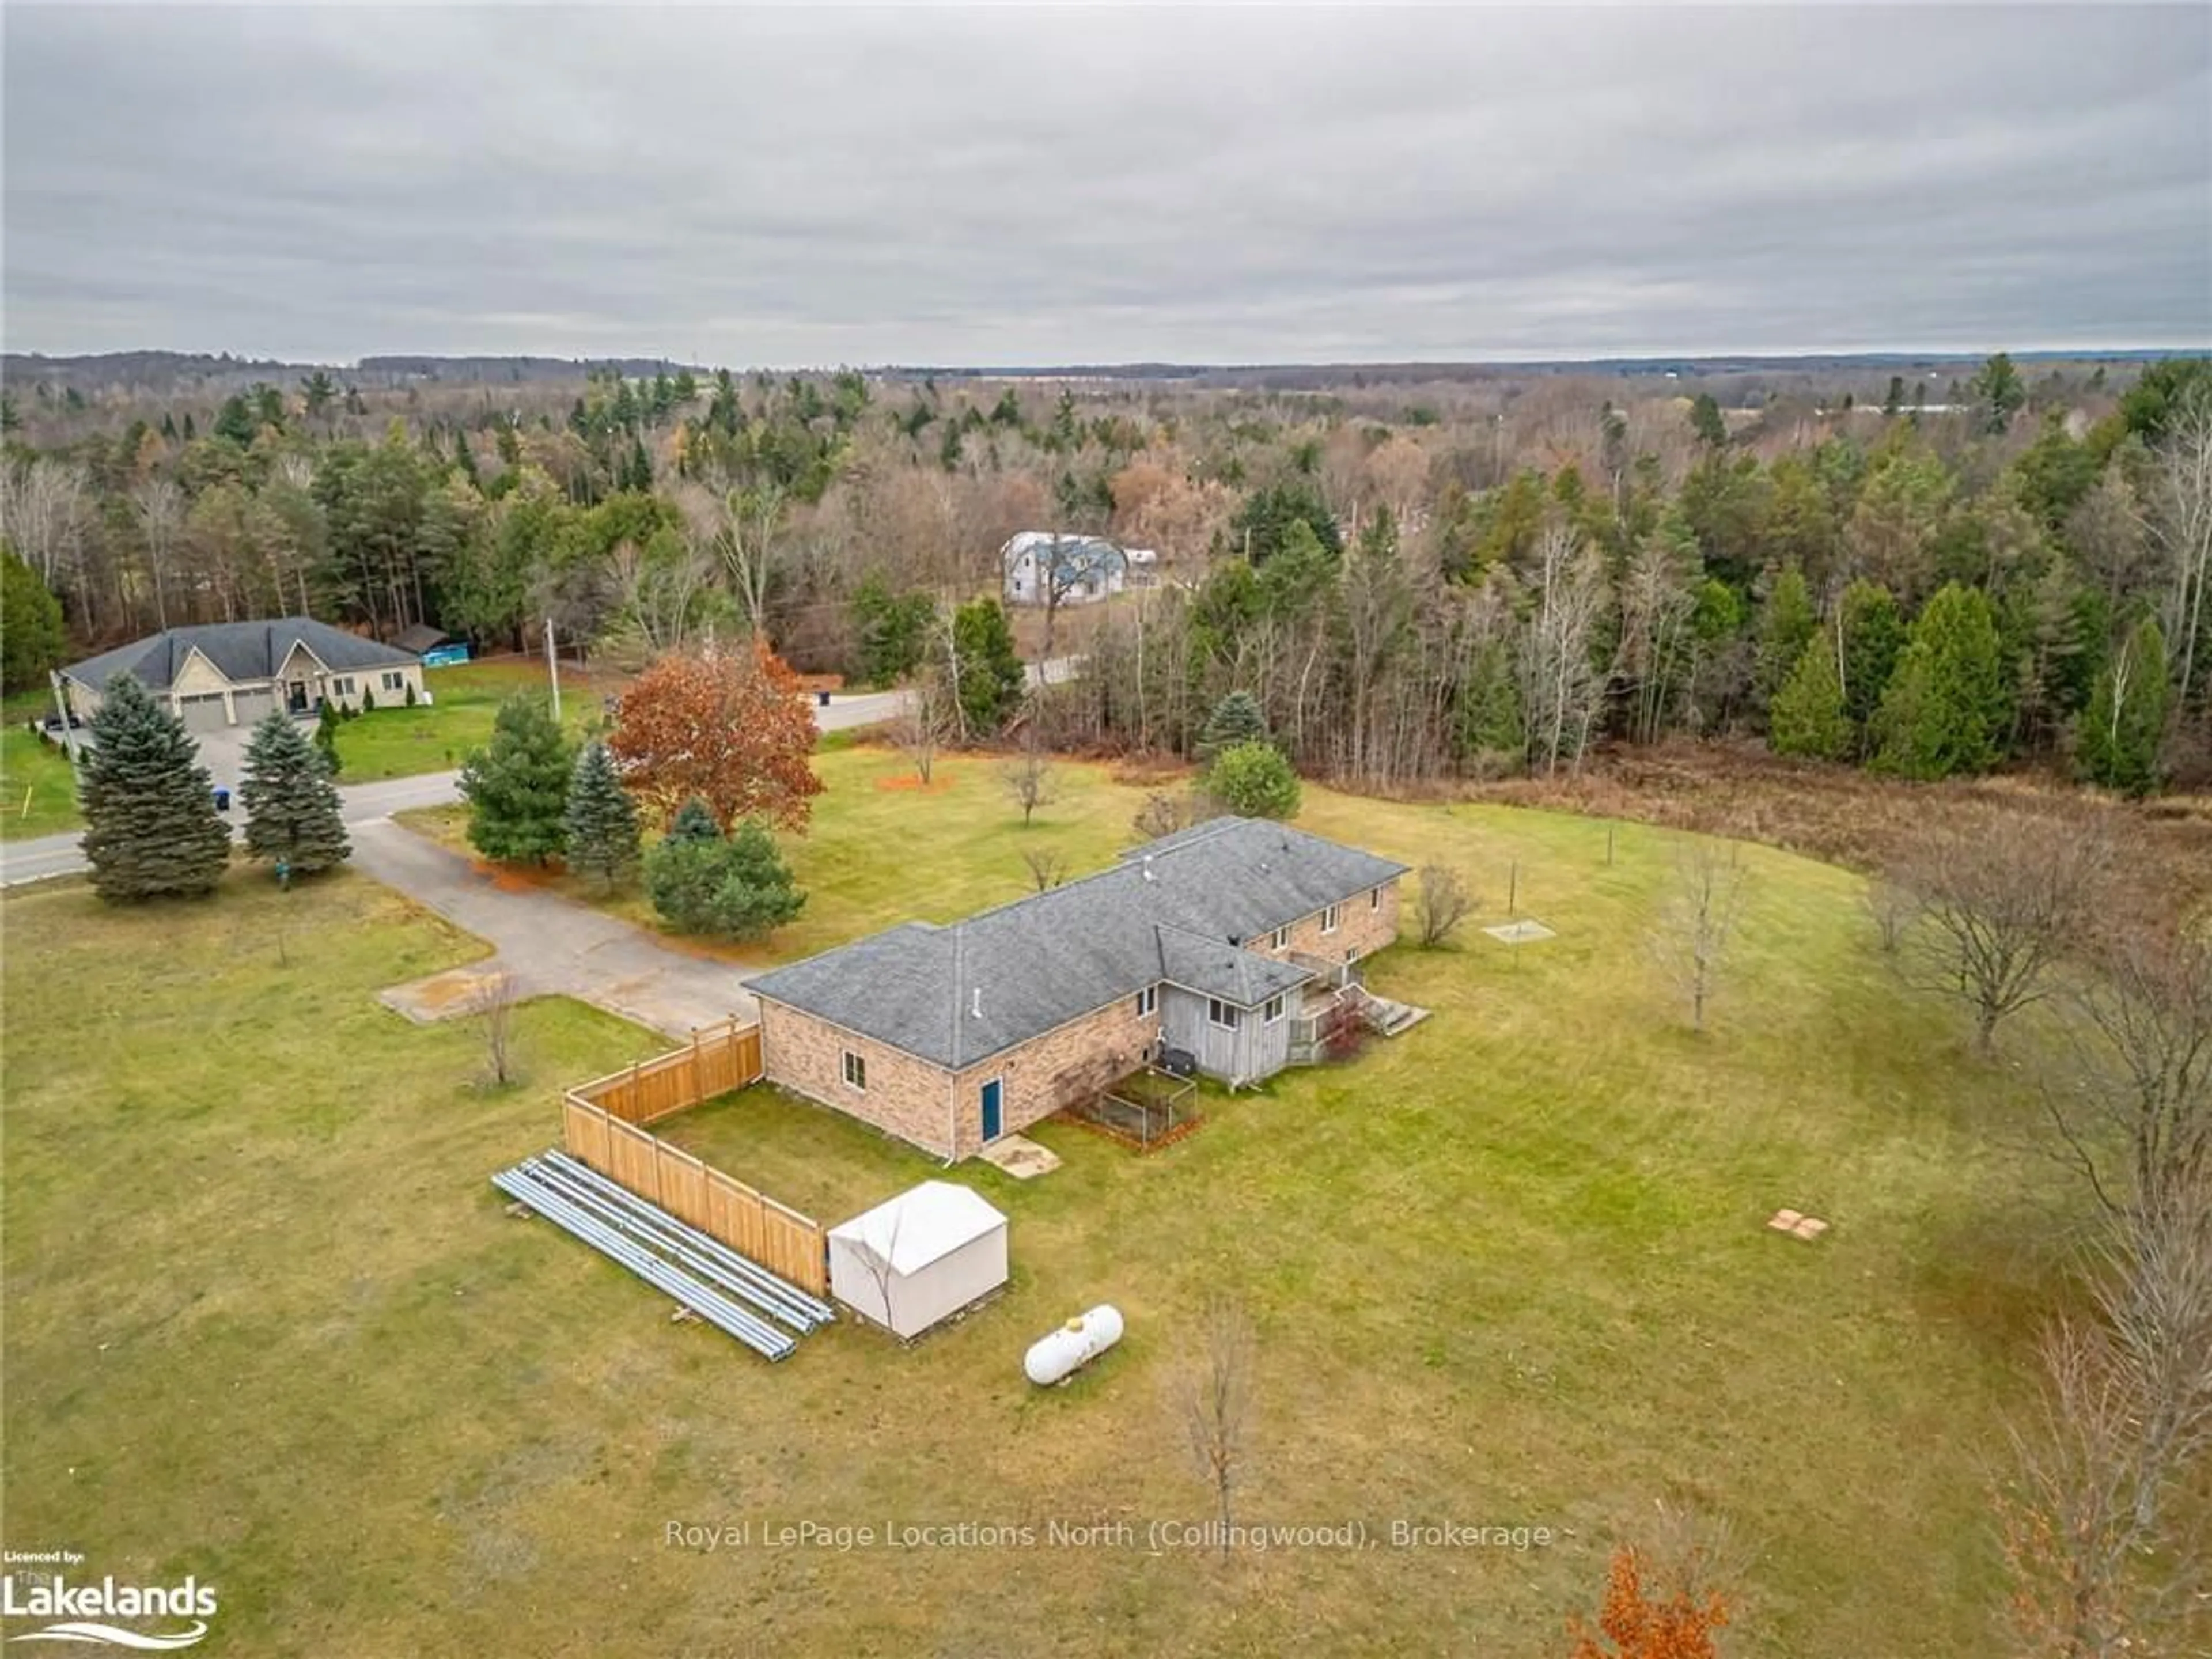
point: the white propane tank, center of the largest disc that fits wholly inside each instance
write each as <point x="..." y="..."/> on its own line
<point x="1053" y="1358"/>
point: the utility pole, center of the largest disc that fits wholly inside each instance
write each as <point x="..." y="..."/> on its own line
<point x="553" y="668"/>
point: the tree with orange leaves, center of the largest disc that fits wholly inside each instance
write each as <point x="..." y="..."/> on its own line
<point x="725" y="725"/>
<point x="1637" y="1624"/>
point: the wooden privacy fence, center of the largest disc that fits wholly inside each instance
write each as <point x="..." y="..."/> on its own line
<point x="718" y="1059"/>
<point x="601" y="1124"/>
<point x="750" y="1222"/>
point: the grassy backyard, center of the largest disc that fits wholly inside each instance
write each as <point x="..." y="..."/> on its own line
<point x="267" y="1322"/>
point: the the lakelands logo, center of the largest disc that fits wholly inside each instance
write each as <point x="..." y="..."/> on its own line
<point x="81" y="1612"/>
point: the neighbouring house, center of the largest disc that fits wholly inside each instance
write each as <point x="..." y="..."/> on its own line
<point x="1222" y="940"/>
<point x="916" y="1259"/>
<point x="215" y="675"/>
<point x="1045" y="566"/>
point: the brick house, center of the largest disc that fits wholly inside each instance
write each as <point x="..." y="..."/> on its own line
<point x="1209" y="941"/>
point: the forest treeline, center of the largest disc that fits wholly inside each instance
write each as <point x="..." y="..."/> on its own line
<point x="1411" y="582"/>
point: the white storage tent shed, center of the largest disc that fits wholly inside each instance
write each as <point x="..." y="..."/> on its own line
<point x="919" y="1258"/>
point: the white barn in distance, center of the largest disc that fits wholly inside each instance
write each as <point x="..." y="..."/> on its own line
<point x="916" y="1259"/>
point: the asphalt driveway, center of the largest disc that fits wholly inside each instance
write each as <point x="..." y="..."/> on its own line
<point x="553" y="946"/>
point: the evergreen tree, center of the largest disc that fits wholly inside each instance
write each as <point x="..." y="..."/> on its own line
<point x="32" y="638"/>
<point x="2118" y="745"/>
<point x="327" y="737"/>
<point x="1947" y="703"/>
<point x="1807" y="717"/>
<point x="1786" y="624"/>
<point x="1872" y="636"/>
<point x="991" y="677"/>
<point x="1236" y="719"/>
<point x="1254" y="780"/>
<point x="736" y="887"/>
<point x="1707" y="422"/>
<point x="601" y="819"/>
<point x="517" y="787"/>
<point x="151" y="825"/>
<point x="292" y="813"/>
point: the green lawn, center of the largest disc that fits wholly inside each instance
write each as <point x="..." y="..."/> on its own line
<point x="38" y="788"/>
<point x="397" y="743"/>
<point x="881" y="851"/>
<point x="266" y="1321"/>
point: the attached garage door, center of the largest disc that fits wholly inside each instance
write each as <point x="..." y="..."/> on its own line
<point x="252" y="707"/>
<point x="203" y="712"/>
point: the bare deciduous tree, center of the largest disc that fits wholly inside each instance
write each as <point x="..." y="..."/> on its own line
<point x="496" y="996"/>
<point x="1997" y="907"/>
<point x="2138" y="1115"/>
<point x="923" y="724"/>
<point x="1561" y="689"/>
<point x="2103" y="1539"/>
<point x="1698" y="922"/>
<point x="1892" y="908"/>
<point x="2182" y="522"/>
<point x="1029" y="779"/>
<point x="2066" y="1517"/>
<point x="880" y="1262"/>
<point x="1443" y="903"/>
<point x="159" y="504"/>
<point x="1047" y="869"/>
<point x="1213" y="1397"/>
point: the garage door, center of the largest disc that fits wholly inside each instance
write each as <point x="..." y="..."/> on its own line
<point x="252" y="707"/>
<point x="203" y="712"/>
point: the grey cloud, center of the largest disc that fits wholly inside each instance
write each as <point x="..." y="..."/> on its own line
<point x="789" y="187"/>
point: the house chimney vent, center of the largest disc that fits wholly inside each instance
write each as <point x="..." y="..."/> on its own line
<point x="1148" y="866"/>
<point x="976" y="1004"/>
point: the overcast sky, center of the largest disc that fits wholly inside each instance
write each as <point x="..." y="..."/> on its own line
<point x="1039" y="186"/>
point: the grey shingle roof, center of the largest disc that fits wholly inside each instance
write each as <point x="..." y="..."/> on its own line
<point x="242" y="650"/>
<point x="1174" y="910"/>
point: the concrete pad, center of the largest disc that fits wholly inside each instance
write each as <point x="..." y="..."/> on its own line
<point x="1784" y="1221"/>
<point x="1810" y="1228"/>
<point x="450" y="995"/>
<point x="1523" y="932"/>
<point x="1020" y="1156"/>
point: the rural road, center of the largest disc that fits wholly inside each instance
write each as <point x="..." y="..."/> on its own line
<point x="369" y="803"/>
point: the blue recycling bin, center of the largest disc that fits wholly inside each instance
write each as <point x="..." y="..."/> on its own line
<point x="823" y="699"/>
<point x="222" y="800"/>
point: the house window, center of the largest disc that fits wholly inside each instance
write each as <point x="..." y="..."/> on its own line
<point x="1221" y="1014"/>
<point x="343" y="687"/>
<point x="1375" y="899"/>
<point x="1282" y="938"/>
<point x="1329" y="919"/>
<point x="1273" y="1010"/>
<point x="1148" y="1001"/>
<point x="393" y="682"/>
<point x="856" y="1072"/>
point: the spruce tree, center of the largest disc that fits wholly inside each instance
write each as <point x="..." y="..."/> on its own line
<point x="1236" y="719"/>
<point x="151" y="829"/>
<point x="1947" y="703"/>
<point x="991" y="677"/>
<point x="1807" y="716"/>
<point x="517" y="787"/>
<point x="1786" y="623"/>
<point x="757" y="895"/>
<point x="2118" y="739"/>
<point x="602" y="819"/>
<point x="736" y="887"/>
<point x="1873" y="638"/>
<point x="291" y="814"/>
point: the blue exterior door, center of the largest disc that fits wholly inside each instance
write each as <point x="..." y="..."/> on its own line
<point x="992" y="1092"/>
